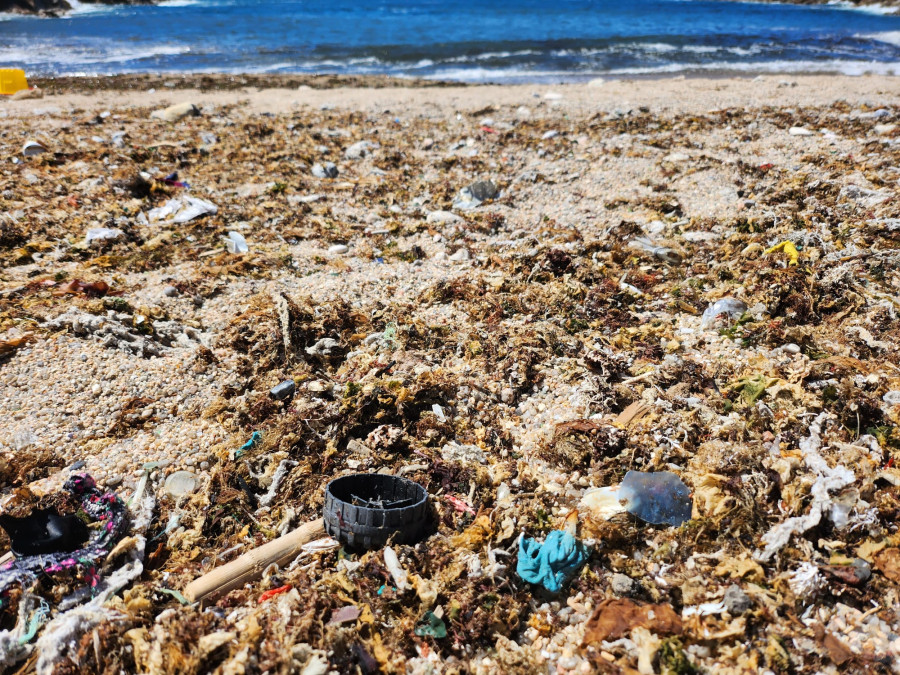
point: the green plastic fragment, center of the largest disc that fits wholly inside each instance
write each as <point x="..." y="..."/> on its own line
<point x="430" y="625"/>
<point x="175" y="594"/>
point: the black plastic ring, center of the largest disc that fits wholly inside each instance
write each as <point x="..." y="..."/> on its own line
<point x="364" y="510"/>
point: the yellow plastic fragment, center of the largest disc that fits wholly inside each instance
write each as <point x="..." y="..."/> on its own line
<point x="788" y="247"/>
<point x="12" y="80"/>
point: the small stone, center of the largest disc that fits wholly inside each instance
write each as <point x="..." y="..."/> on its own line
<point x="427" y="144"/>
<point x="170" y="291"/>
<point x="113" y="481"/>
<point x="736" y="601"/>
<point x="884" y="129"/>
<point x="443" y="217"/>
<point x="461" y="255"/>
<point x="790" y="348"/>
<point x="329" y="170"/>
<point x="96" y="390"/>
<point x="799" y="131"/>
<point x="862" y="569"/>
<point x="621" y="584"/>
<point x="507" y="395"/>
<point x="338" y="249"/>
<point x="523" y="113"/>
<point x="483" y="190"/>
<point x="358" y="150"/>
<point x="176" y="112"/>
<point x="80" y="464"/>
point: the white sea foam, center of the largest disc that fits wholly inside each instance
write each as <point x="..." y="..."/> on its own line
<point x="50" y="55"/>
<point x="844" y="67"/>
<point x="882" y="10"/>
<point x="840" y="66"/>
<point x="890" y="37"/>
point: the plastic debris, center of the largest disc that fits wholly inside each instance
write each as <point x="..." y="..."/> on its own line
<point x="474" y="195"/>
<point x="392" y="563"/>
<point x="105" y="509"/>
<point x="43" y="531"/>
<point x="789" y="249"/>
<point x="102" y="234"/>
<point x="659" y="497"/>
<point x="33" y="149"/>
<point x="251" y="443"/>
<point x="731" y="308"/>
<point x="431" y="626"/>
<point x="327" y="170"/>
<point x="182" y="210"/>
<point x="268" y="595"/>
<point x="283" y="391"/>
<point x="368" y="510"/>
<point x="236" y="244"/>
<point x="667" y="255"/>
<point x="553" y="563"/>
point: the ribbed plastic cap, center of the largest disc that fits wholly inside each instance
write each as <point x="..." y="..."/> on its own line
<point x="364" y="510"/>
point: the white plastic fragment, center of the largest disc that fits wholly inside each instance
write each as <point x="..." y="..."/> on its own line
<point x="182" y="210"/>
<point x="102" y="234"/>
<point x="392" y="563"/>
<point x="602" y="503"/>
<point x="236" y="243"/>
<point x="32" y="149"/>
<point x="706" y="609"/>
<point x="730" y="307"/>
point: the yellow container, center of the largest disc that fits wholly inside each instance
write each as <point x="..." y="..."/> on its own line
<point x="12" y="80"/>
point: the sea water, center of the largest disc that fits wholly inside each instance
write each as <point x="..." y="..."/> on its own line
<point x="496" y="40"/>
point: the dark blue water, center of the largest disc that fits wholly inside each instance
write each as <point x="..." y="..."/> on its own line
<point x="497" y="40"/>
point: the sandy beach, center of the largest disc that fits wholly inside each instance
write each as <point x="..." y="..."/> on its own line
<point x="455" y="342"/>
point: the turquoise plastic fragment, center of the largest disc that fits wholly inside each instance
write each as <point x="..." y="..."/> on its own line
<point x="552" y="563"/>
<point x="249" y="445"/>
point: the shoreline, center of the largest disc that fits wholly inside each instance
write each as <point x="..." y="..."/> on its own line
<point x="673" y="93"/>
<point x="223" y="82"/>
<point x="55" y="9"/>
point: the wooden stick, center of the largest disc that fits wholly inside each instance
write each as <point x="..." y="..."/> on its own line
<point x="251" y="564"/>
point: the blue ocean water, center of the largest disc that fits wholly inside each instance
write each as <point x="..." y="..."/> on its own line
<point x="496" y="40"/>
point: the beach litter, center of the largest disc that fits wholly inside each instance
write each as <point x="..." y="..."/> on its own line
<point x="182" y="210"/>
<point x="697" y="356"/>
